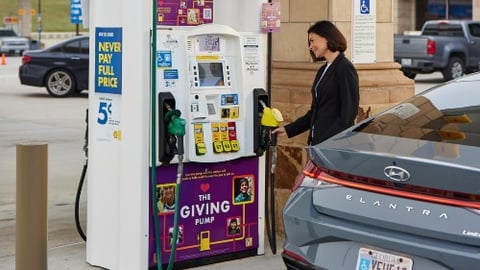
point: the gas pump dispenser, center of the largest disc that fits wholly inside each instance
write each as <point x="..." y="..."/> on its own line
<point x="177" y="145"/>
<point x="213" y="77"/>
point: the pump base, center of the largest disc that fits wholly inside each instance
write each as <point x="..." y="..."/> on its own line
<point x="210" y="260"/>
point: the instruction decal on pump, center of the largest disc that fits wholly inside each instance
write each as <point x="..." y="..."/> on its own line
<point x="164" y="59"/>
<point x="169" y="74"/>
<point x="108" y="60"/>
<point x="251" y="49"/>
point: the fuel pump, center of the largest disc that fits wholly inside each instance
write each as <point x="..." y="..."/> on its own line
<point x="205" y="64"/>
<point x="214" y="76"/>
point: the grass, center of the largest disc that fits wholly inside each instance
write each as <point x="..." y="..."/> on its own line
<point x="55" y="14"/>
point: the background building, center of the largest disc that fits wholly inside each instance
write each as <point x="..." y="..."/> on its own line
<point x="409" y="15"/>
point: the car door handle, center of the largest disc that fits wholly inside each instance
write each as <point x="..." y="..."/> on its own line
<point x="75" y="58"/>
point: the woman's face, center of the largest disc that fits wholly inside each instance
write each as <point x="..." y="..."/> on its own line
<point x="244" y="187"/>
<point x="317" y="44"/>
<point x="169" y="192"/>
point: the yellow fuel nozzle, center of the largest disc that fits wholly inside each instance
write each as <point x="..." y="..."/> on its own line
<point x="271" y="117"/>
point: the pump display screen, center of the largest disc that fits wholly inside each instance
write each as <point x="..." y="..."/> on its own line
<point x="209" y="43"/>
<point x="210" y="74"/>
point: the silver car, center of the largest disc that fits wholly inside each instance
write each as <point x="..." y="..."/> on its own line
<point x="398" y="191"/>
<point x="10" y="43"/>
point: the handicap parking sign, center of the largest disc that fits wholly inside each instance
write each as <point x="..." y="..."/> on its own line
<point x="365" y="7"/>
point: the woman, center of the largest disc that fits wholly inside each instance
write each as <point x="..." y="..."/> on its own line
<point x="335" y="90"/>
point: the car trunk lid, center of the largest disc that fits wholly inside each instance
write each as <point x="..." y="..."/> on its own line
<point x="414" y="186"/>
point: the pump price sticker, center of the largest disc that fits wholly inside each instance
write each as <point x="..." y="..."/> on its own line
<point x="369" y="259"/>
<point x="108" y="118"/>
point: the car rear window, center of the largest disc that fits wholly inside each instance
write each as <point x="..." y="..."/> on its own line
<point x="449" y="113"/>
<point x="443" y="29"/>
<point x="474" y="29"/>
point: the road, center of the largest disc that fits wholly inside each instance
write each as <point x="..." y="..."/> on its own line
<point x="426" y="81"/>
<point x="29" y="114"/>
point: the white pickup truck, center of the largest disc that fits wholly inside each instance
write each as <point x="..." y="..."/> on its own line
<point x="11" y="43"/>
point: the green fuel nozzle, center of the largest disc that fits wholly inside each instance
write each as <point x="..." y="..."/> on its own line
<point x="175" y="127"/>
<point x="175" y="124"/>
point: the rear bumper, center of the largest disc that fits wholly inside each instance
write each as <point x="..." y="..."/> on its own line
<point x="13" y="49"/>
<point x="31" y="76"/>
<point x="419" y="65"/>
<point x="330" y="242"/>
<point x="294" y="264"/>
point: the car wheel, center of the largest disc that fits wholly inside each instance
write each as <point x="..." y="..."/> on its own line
<point x="454" y="69"/>
<point x="60" y="83"/>
<point x="409" y="74"/>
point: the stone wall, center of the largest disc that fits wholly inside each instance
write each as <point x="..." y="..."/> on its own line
<point x="403" y="16"/>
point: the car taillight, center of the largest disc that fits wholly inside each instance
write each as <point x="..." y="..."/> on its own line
<point x="431" y="47"/>
<point x="317" y="177"/>
<point x="299" y="260"/>
<point x="310" y="177"/>
<point x="26" y="59"/>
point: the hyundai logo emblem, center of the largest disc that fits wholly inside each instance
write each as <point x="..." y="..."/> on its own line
<point x="396" y="173"/>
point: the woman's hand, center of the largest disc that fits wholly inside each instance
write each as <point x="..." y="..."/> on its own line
<point x="280" y="131"/>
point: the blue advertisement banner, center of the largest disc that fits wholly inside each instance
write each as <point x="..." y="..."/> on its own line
<point x="218" y="209"/>
<point x="108" y="60"/>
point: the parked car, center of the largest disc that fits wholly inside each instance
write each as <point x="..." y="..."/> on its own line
<point x="61" y="68"/>
<point x="449" y="46"/>
<point x="11" y="43"/>
<point x="399" y="190"/>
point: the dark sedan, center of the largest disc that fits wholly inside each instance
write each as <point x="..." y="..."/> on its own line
<point x="61" y="68"/>
<point x="399" y="190"/>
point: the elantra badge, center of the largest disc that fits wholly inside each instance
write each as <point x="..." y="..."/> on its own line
<point x="396" y="173"/>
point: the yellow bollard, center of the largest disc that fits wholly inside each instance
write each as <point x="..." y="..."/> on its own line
<point x="31" y="208"/>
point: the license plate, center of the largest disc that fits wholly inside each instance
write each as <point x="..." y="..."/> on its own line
<point x="406" y="62"/>
<point x="369" y="259"/>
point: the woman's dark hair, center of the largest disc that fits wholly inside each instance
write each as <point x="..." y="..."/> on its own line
<point x="335" y="39"/>
<point x="243" y="180"/>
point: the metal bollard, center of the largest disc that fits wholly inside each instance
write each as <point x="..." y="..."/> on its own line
<point x="31" y="208"/>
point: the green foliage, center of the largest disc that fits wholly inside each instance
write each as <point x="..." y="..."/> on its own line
<point x="55" y="14"/>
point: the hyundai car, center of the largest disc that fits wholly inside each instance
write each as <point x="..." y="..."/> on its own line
<point x="399" y="190"/>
